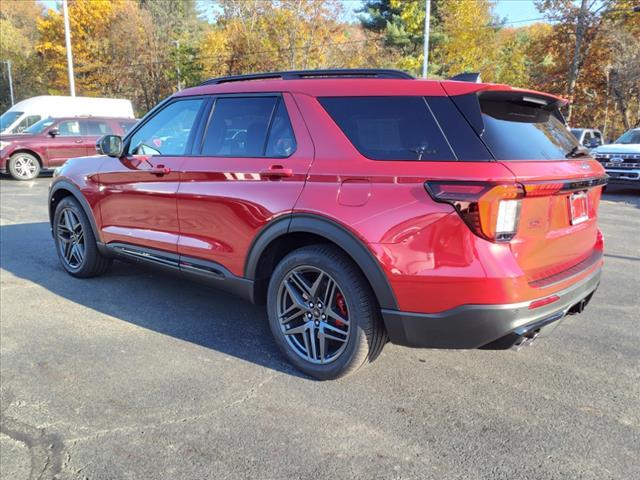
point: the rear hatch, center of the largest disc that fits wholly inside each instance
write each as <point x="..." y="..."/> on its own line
<point x="557" y="234"/>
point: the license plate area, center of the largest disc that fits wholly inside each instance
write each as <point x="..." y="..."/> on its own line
<point x="579" y="205"/>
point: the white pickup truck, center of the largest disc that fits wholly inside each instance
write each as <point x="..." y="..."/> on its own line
<point x="621" y="159"/>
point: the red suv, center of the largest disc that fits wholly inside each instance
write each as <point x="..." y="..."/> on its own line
<point x="361" y="206"/>
<point x="48" y="143"/>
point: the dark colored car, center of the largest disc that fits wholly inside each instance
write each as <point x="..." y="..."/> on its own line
<point x="360" y="206"/>
<point x="48" y="143"/>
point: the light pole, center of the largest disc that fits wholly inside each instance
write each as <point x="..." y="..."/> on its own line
<point x="8" y="62"/>
<point x="427" y="18"/>
<point x="67" y="40"/>
<point x="177" y="43"/>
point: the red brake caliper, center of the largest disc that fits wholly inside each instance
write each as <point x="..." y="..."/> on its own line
<point x="342" y="308"/>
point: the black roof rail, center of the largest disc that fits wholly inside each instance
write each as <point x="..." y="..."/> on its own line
<point x="473" y="77"/>
<point x="301" y="74"/>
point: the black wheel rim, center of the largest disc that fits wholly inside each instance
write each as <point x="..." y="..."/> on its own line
<point x="313" y="315"/>
<point x="70" y="239"/>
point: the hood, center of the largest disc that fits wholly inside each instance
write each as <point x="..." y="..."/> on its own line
<point x="618" y="148"/>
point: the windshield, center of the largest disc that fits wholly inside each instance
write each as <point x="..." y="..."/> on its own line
<point x="576" y="132"/>
<point x="8" y="118"/>
<point x="40" y="126"/>
<point x="632" y="136"/>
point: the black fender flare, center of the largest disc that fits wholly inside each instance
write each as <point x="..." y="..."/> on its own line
<point x="336" y="233"/>
<point x="61" y="184"/>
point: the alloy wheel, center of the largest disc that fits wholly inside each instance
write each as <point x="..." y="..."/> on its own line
<point x="70" y="236"/>
<point x="313" y="315"/>
<point x="25" y="167"/>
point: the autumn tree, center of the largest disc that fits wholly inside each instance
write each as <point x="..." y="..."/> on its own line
<point x="251" y="36"/>
<point x="18" y="36"/>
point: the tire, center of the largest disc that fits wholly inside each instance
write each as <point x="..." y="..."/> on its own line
<point x="75" y="242"/>
<point x="24" y="166"/>
<point x="312" y="309"/>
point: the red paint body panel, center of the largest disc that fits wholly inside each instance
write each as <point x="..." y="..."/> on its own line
<point x="139" y="207"/>
<point x="213" y="208"/>
<point x="223" y="202"/>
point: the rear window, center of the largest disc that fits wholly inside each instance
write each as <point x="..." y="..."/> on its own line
<point x="96" y="127"/>
<point x="389" y="128"/>
<point x="524" y="130"/>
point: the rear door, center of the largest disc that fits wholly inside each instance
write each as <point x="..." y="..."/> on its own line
<point x="68" y="143"/>
<point x="93" y="129"/>
<point x="251" y="168"/>
<point x="557" y="229"/>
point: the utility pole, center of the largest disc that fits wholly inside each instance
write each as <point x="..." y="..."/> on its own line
<point x="177" y="42"/>
<point x="67" y="40"/>
<point x="8" y="62"/>
<point x="427" y="19"/>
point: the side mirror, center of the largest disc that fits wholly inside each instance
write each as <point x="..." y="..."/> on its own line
<point x="110" y="145"/>
<point x="54" y="132"/>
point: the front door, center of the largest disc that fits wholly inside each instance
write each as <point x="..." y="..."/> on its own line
<point x="138" y="198"/>
<point x="251" y="168"/>
<point x="68" y="143"/>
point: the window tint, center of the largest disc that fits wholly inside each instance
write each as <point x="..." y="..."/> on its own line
<point x="521" y="131"/>
<point x="167" y="132"/>
<point x="96" y="127"/>
<point x="389" y="128"/>
<point x="238" y="127"/>
<point x="69" y="128"/>
<point x="282" y="142"/>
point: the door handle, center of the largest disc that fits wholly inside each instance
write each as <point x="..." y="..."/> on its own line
<point x="79" y="141"/>
<point x="276" y="171"/>
<point x="160" y="170"/>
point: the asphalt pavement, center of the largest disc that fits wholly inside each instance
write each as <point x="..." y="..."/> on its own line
<point x="140" y="375"/>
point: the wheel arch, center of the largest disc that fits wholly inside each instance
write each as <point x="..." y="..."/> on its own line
<point x="30" y="152"/>
<point x="293" y="231"/>
<point x="62" y="189"/>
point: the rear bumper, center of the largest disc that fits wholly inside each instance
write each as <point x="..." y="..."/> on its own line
<point x="489" y="326"/>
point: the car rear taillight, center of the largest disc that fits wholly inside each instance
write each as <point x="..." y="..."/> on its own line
<point x="491" y="210"/>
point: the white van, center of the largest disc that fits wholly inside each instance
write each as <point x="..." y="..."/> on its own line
<point x="27" y="112"/>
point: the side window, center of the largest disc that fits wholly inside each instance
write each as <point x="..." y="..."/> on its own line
<point x="96" y="127"/>
<point x="69" y="128"/>
<point x="167" y="132"/>
<point x="389" y="128"/>
<point x="238" y="127"/>
<point x="26" y="122"/>
<point x="598" y="137"/>
<point x="126" y="126"/>
<point x="282" y="142"/>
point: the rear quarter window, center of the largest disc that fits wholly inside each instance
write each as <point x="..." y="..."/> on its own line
<point x="389" y="128"/>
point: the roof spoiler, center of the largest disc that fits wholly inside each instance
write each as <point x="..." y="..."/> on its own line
<point x="473" y="77"/>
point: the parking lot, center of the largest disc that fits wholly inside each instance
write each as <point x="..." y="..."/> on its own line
<point x="142" y="375"/>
